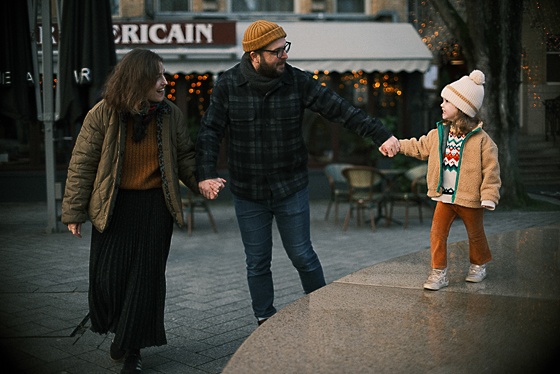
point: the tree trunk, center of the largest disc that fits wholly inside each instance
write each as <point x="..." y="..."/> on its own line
<point x="492" y="30"/>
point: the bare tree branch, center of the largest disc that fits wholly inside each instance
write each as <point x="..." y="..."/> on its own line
<point x="456" y="25"/>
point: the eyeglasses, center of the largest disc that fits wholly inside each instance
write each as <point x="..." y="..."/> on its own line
<point x="279" y="51"/>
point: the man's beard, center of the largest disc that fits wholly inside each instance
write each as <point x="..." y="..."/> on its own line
<point x="268" y="71"/>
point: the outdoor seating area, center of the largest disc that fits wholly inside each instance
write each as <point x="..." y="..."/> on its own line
<point x="359" y="189"/>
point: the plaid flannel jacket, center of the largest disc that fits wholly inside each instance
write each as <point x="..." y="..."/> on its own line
<point x="267" y="155"/>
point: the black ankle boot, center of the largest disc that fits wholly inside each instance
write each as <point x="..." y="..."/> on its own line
<point x="132" y="363"/>
<point x="116" y="353"/>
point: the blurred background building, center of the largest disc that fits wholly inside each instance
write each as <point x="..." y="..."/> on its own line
<point x="390" y="58"/>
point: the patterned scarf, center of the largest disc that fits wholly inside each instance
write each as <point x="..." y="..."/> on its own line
<point x="143" y="119"/>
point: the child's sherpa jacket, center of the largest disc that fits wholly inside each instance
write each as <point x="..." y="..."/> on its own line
<point x="478" y="178"/>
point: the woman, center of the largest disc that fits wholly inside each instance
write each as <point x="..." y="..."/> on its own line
<point x="124" y="175"/>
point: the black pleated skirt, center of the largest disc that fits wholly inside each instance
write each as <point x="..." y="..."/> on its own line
<point x="127" y="270"/>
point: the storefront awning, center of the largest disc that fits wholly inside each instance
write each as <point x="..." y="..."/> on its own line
<point x="322" y="46"/>
<point x="351" y="46"/>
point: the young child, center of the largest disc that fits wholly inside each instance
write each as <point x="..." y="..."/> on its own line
<point x="463" y="176"/>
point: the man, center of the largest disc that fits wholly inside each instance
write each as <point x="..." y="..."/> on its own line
<point x="261" y="103"/>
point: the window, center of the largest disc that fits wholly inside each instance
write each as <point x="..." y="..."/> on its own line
<point x="261" y="6"/>
<point x="552" y="63"/>
<point x="115" y="7"/>
<point x="319" y="6"/>
<point x="553" y="59"/>
<point x="173" y="5"/>
<point x="350" y="6"/>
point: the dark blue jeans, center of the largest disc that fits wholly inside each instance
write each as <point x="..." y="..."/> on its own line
<point x="292" y="219"/>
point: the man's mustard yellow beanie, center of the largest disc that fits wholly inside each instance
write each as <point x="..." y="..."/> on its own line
<point x="260" y="34"/>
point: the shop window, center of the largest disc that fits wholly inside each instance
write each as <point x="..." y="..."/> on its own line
<point x="379" y="94"/>
<point x="191" y="93"/>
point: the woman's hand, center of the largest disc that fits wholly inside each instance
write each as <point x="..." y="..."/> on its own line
<point x="75" y="229"/>
<point x="210" y="188"/>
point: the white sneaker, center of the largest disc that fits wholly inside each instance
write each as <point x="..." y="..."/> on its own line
<point x="437" y="280"/>
<point x="477" y="273"/>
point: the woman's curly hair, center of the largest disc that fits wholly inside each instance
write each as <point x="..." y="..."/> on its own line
<point x="132" y="78"/>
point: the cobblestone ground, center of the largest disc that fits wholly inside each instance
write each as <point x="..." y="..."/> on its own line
<point x="43" y="288"/>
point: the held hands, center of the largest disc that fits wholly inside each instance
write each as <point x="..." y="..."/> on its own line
<point x="391" y="147"/>
<point x="75" y="229"/>
<point x="210" y="188"/>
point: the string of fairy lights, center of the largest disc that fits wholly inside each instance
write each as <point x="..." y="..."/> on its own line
<point x="198" y="88"/>
<point x="386" y="87"/>
<point x="435" y="34"/>
<point x="543" y="18"/>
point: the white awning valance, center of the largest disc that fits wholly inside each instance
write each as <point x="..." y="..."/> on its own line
<point x="352" y="46"/>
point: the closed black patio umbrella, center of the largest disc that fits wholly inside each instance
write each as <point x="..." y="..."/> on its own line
<point x="86" y="55"/>
<point x="17" y="92"/>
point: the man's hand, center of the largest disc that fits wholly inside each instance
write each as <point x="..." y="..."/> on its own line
<point x="210" y="188"/>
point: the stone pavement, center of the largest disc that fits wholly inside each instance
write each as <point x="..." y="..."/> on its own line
<point x="43" y="286"/>
<point x="380" y="320"/>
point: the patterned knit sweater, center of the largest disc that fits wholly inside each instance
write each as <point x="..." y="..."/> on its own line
<point x="451" y="159"/>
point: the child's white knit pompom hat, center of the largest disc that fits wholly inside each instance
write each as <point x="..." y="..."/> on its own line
<point x="467" y="93"/>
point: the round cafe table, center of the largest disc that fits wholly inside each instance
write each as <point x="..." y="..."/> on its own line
<point x="390" y="176"/>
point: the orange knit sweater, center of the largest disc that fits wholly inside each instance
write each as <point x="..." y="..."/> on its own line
<point x="140" y="168"/>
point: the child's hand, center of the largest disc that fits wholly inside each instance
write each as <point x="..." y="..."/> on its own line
<point x="391" y="147"/>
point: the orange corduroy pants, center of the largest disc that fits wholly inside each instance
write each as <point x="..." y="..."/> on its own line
<point x="473" y="218"/>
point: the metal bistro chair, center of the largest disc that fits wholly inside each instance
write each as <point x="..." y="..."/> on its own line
<point x="365" y="192"/>
<point x="414" y="183"/>
<point x="190" y="203"/>
<point x="338" y="186"/>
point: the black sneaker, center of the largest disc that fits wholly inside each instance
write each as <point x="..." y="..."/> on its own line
<point x="132" y="363"/>
<point x="116" y="353"/>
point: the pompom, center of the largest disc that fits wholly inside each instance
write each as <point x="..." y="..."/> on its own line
<point x="477" y="77"/>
